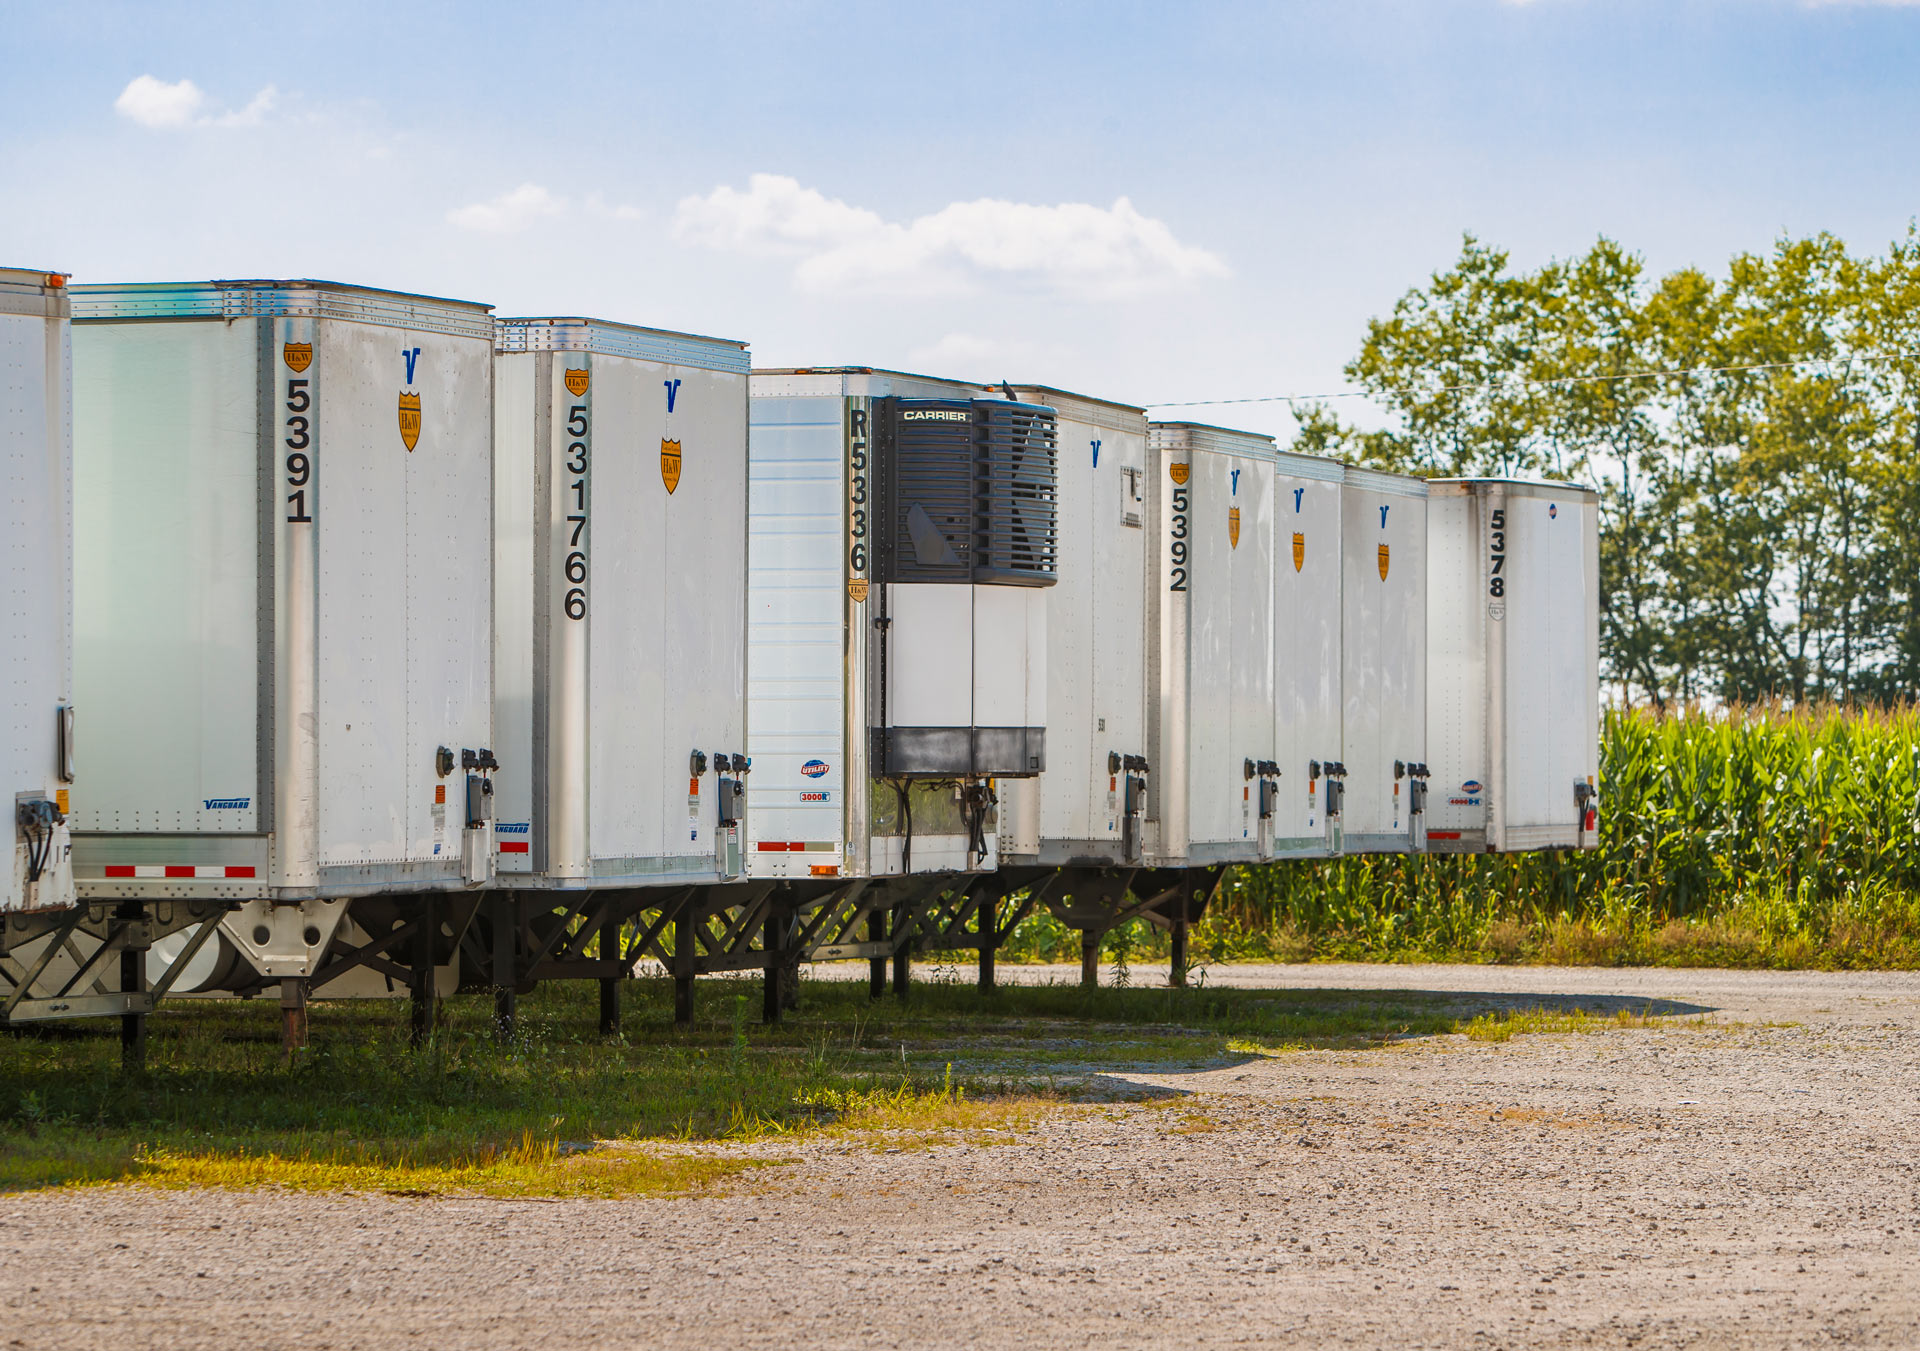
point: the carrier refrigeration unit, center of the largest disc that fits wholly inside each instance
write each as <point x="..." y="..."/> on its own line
<point x="1382" y="781"/>
<point x="284" y="600"/>
<point x="36" y="617"/>
<point x="901" y="554"/>
<point x="1513" y="712"/>
<point x="1089" y="807"/>
<point x="1213" y="791"/>
<point x="1306" y="655"/>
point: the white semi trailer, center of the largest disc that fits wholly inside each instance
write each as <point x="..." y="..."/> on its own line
<point x="284" y="609"/>
<point x="1210" y="614"/>
<point x="36" y="615"/>
<point x="620" y="463"/>
<point x="1513" y="650"/>
<point x="902" y="547"/>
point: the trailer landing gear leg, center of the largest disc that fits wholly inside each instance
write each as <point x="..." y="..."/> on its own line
<point x="293" y="1015"/>
<point x="426" y="990"/>
<point x="987" y="926"/>
<point x="902" y="955"/>
<point x="770" y="1003"/>
<point x="877" y="967"/>
<point x="133" y="979"/>
<point x="683" y="957"/>
<point x="1177" y="971"/>
<point x="609" y="986"/>
<point x="1089" y="958"/>
<point x="506" y="931"/>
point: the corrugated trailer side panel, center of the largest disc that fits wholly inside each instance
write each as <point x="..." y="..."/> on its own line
<point x="1384" y="656"/>
<point x="669" y="664"/>
<point x="1552" y="666"/>
<point x="405" y="560"/>
<point x="1306" y="636"/>
<point x="797" y="646"/>
<point x="36" y="593"/>
<point x="1457" y="608"/>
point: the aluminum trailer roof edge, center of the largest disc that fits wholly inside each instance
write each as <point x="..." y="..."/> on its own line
<point x="263" y="298"/>
<point x="1069" y="394"/>
<point x="1543" y="485"/>
<point x="1379" y="481"/>
<point x="1311" y="466"/>
<point x="610" y="337"/>
<point x="1207" y="437"/>
<point x="864" y="370"/>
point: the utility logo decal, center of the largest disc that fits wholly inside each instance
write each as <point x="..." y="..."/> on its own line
<point x="670" y="464"/>
<point x="1178" y="473"/>
<point x="1553" y="510"/>
<point x="297" y="355"/>
<point x="1233" y="527"/>
<point x="857" y="590"/>
<point x="577" y="381"/>
<point x="1471" y="785"/>
<point x="1383" y="562"/>
<point x="815" y="797"/>
<point x="410" y="420"/>
<point x="814" y="769"/>
<point x="226" y="804"/>
<point x="1096" y="453"/>
<point x="1299" y="550"/>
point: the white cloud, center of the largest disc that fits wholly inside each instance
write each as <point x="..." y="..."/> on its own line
<point x="1075" y="247"/>
<point x="155" y="103"/>
<point x="510" y="212"/>
<point x="251" y="115"/>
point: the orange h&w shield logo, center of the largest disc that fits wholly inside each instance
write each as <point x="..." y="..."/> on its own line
<point x="410" y="420"/>
<point x="670" y="464"/>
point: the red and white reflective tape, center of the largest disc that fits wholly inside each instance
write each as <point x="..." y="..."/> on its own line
<point x="177" y="870"/>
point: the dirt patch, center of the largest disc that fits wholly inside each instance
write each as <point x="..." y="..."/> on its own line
<point x="1640" y="1185"/>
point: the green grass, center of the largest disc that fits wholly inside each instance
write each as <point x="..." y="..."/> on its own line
<point x="1763" y="837"/>
<point x="564" y="1112"/>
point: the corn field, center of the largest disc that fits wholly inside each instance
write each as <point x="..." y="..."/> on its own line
<point x="1760" y="837"/>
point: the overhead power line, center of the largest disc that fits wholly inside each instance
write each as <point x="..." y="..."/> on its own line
<point x="1558" y="380"/>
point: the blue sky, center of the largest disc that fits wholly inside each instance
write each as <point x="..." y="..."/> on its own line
<point x="1137" y="201"/>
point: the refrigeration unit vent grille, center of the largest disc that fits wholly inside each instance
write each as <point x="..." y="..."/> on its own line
<point x="1019" y="450"/>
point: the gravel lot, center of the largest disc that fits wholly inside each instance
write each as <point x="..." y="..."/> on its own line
<point x="1746" y="1180"/>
